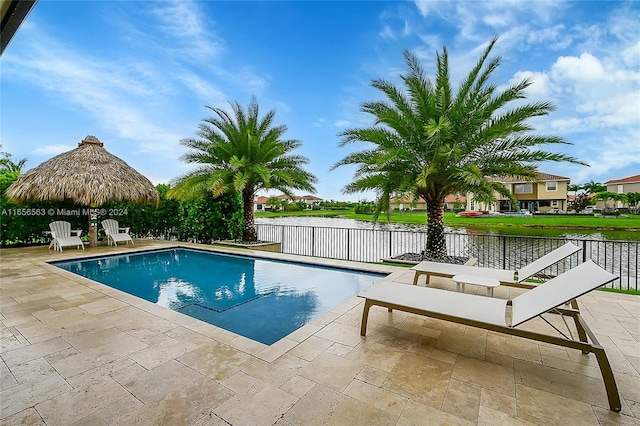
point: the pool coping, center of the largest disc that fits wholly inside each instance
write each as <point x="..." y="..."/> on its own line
<point x="255" y="254"/>
<point x="267" y="353"/>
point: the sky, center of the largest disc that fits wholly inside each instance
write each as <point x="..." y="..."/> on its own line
<point x="139" y="74"/>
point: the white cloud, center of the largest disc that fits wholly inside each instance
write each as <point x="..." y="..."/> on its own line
<point x="586" y="68"/>
<point x="202" y="88"/>
<point x="555" y="37"/>
<point x="631" y="56"/>
<point x="567" y="125"/>
<point x="182" y="22"/>
<point x="427" y="7"/>
<point x="342" y="123"/>
<point x="120" y="97"/>
<point x="540" y="86"/>
<point x="51" y="150"/>
<point x="319" y="122"/>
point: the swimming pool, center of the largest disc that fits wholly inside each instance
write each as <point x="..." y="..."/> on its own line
<point x="261" y="299"/>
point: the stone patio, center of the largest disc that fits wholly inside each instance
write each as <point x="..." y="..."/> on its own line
<point x="78" y="352"/>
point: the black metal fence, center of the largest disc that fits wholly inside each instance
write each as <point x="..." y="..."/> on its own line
<point x="495" y="251"/>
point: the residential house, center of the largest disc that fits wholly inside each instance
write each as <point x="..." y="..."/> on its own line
<point x="624" y="186"/>
<point x="309" y="200"/>
<point x="548" y="193"/>
<point x="260" y="203"/>
<point x="408" y="202"/>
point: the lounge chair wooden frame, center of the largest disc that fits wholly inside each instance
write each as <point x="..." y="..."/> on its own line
<point x="505" y="276"/>
<point x="502" y="316"/>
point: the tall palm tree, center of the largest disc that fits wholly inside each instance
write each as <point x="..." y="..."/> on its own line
<point x="242" y="152"/>
<point x="594" y="187"/>
<point x="574" y="188"/>
<point x="431" y="142"/>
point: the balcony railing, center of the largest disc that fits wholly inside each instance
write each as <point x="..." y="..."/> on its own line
<point x="495" y="251"/>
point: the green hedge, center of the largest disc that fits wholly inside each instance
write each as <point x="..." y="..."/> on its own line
<point x="199" y="220"/>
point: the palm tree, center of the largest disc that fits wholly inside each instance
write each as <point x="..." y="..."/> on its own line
<point x="633" y="198"/>
<point x="594" y="187"/>
<point x="8" y="165"/>
<point x="242" y="152"/>
<point x="431" y="142"/>
<point x="574" y="188"/>
<point x="9" y="169"/>
<point x="614" y="196"/>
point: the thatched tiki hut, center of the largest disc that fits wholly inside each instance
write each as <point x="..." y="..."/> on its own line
<point x="89" y="176"/>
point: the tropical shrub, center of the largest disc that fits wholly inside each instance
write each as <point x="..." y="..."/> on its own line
<point x="201" y="220"/>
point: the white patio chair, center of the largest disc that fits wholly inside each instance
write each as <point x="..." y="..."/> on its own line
<point x="64" y="236"/>
<point x="114" y="233"/>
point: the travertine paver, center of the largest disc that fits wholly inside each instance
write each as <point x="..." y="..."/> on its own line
<point x="78" y="352"/>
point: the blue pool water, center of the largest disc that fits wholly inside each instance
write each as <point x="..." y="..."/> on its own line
<point x="263" y="300"/>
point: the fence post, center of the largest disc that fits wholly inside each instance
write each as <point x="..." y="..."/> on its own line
<point x="348" y="254"/>
<point x="620" y="257"/>
<point x="504" y="251"/>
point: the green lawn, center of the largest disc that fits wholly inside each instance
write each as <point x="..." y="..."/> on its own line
<point x="558" y="221"/>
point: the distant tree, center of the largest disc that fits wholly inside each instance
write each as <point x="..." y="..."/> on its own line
<point x="606" y="196"/>
<point x="431" y="141"/>
<point x="8" y="165"/>
<point x="275" y="202"/>
<point x="633" y="199"/>
<point x="457" y="204"/>
<point x="574" y="188"/>
<point x="9" y="169"/>
<point x="242" y="152"/>
<point x="576" y="202"/>
<point x="594" y="187"/>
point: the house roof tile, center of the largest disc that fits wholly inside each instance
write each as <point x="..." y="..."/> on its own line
<point x="448" y="199"/>
<point x="630" y="179"/>
<point x="541" y="177"/>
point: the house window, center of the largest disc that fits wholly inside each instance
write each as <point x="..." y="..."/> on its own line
<point x="620" y="189"/>
<point x="554" y="203"/>
<point x="472" y="205"/>
<point x="552" y="186"/>
<point x="523" y="188"/>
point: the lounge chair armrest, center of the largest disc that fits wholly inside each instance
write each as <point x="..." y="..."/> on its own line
<point x="125" y="230"/>
<point x="77" y="232"/>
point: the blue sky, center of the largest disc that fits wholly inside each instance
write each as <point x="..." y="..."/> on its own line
<point x="138" y="74"/>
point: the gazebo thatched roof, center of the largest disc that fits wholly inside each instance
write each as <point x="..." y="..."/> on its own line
<point x="87" y="175"/>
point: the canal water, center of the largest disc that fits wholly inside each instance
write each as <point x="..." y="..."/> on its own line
<point x="334" y="222"/>
<point x="505" y="248"/>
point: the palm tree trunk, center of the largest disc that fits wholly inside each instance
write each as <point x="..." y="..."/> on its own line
<point x="249" y="231"/>
<point x="436" y="244"/>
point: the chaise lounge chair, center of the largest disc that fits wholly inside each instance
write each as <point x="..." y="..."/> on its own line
<point x="114" y="233"/>
<point x="494" y="314"/>
<point x="505" y="277"/>
<point x="62" y="235"/>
